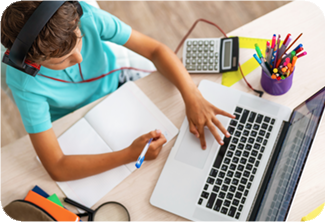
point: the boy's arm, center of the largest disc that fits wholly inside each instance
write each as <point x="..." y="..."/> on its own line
<point x="71" y="167"/>
<point x="199" y="111"/>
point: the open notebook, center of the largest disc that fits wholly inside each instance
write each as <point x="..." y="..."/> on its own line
<point x="112" y="125"/>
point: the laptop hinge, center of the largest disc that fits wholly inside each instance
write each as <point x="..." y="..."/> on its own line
<point x="268" y="172"/>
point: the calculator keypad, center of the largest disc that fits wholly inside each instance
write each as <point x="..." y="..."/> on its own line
<point x="202" y="55"/>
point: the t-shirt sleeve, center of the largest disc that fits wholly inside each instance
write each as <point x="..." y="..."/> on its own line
<point x="34" y="110"/>
<point x="109" y="27"/>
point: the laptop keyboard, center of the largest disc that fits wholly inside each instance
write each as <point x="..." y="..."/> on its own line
<point x="237" y="162"/>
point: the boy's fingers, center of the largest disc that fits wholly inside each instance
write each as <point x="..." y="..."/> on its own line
<point x="158" y="143"/>
<point x="220" y="126"/>
<point x="224" y="113"/>
<point x="153" y="134"/>
<point x="215" y="133"/>
<point x="193" y="129"/>
<point x="202" y="138"/>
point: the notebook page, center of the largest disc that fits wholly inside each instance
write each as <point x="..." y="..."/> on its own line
<point x="127" y="114"/>
<point x="81" y="138"/>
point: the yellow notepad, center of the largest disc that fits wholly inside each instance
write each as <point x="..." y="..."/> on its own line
<point x="315" y="213"/>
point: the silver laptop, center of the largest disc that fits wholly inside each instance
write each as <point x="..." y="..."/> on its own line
<point x="255" y="174"/>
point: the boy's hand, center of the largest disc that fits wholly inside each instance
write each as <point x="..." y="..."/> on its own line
<point x="201" y="113"/>
<point x="137" y="146"/>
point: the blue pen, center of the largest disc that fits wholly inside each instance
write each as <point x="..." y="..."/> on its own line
<point x="143" y="153"/>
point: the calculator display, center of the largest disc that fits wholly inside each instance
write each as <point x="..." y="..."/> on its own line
<point x="227" y="49"/>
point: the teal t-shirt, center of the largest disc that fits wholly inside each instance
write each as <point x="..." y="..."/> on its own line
<point x="42" y="100"/>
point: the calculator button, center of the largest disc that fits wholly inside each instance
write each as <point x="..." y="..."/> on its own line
<point x="210" y="60"/>
<point x="194" y="49"/>
<point x="206" y="42"/>
<point x="199" y="61"/>
<point x="216" y="53"/>
<point x="188" y="55"/>
<point x="216" y="67"/>
<point x="205" y="61"/>
<point x="210" y="67"/>
<point x="200" y="49"/>
<point x="216" y="61"/>
<point x="205" y="54"/>
<point x="206" y="48"/>
<point x="190" y="67"/>
<point x="211" y="42"/>
<point x="189" y="49"/>
<point x="195" y="43"/>
<point x="188" y="61"/>
<point x="212" y="48"/>
<point x="199" y="55"/>
<point x="194" y="54"/>
<point x="205" y="67"/>
<point x="193" y="61"/>
<point x="189" y="43"/>
<point x="199" y="67"/>
<point x="200" y="42"/>
<point x="211" y="54"/>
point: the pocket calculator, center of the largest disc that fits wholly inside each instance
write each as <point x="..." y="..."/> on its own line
<point x="211" y="55"/>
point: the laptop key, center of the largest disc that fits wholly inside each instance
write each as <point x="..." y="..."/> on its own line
<point x="231" y="130"/>
<point x="244" y="116"/>
<point x="235" y="181"/>
<point x="238" y="195"/>
<point x="218" y="181"/>
<point x="240" y="146"/>
<point x="259" y="139"/>
<point x="243" y="161"/>
<point x="235" y="160"/>
<point x="230" y="173"/>
<point x="221" y="174"/>
<point x="243" y="181"/>
<point x="224" y="167"/>
<point x="237" y="133"/>
<point x="256" y="127"/>
<point x="243" y="139"/>
<point x="238" y="153"/>
<point x="232" y="147"/>
<point x="210" y="180"/>
<point x="232" y="211"/>
<point x="246" y="173"/>
<point x="246" y="133"/>
<point x="233" y="123"/>
<point x="251" y="160"/>
<point x="224" y="188"/>
<point x="235" y="202"/>
<point x="262" y="133"/>
<point x="229" y="196"/>
<point x="256" y="146"/>
<point x="232" y="167"/>
<point x="249" y="166"/>
<point x="200" y="201"/>
<point x="252" y="116"/>
<point x="267" y="119"/>
<point x="245" y="154"/>
<point x="248" y="126"/>
<point x="204" y="194"/>
<point x="272" y="121"/>
<point x="240" y="207"/>
<point x="259" y="118"/>
<point x="264" y="142"/>
<point x="227" y="180"/>
<point x="206" y="186"/>
<point x="251" y="140"/>
<point x="262" y="149"/>
<point x="224" y="210"/>
<point x="237" y="215"/>
<point x="248" y="147"/>
<point x="222" y="195"/>
<point x="270" y="128"/>
<point x="237" y="116"/>
<point x="211" y="200"/>
<point x="218" y="205"/>
<point x="253" y="133"/>
<point x="226" y="203"/>
<point x="216" y="189"/>
<point x="241" y="188"/>
<point x="227" y="161"/>
<point x="238" y="109"/>
<point x="264" y="126"/>
<point x="232" y="189"/>
<point x="254" y="153"/>
<point x="221" y="153"/>
<point x="249" y="185"/>
<point x="243" y="200"/>
<point x="213" y="172"/>
<point x="246" y="193"/>
<point x="254" y="170"/>
<point x="267" y="135"/>
<point x="237" y="174"/>
<point x="240" y="127"/>
<point x="240" y="167"/>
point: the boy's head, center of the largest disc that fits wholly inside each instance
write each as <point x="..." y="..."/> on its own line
<point x="58" y="44"/>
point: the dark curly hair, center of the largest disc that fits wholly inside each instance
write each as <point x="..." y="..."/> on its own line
<point x="57" y="38"/>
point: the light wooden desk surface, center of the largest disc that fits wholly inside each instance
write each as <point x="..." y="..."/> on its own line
<point x="20" y="170"/>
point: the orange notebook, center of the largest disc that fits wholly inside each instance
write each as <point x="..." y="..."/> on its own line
<point x="59" y="213"/>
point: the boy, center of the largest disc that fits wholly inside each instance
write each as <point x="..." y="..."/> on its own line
<point x="70" y="48"/>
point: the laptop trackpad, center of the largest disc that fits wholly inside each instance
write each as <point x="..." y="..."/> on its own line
<point x="190" y="151"/>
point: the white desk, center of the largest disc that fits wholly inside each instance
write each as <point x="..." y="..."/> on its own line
<point x="21" y="171"/>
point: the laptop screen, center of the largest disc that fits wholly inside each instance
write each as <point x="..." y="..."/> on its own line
<point x="282" y="185"/>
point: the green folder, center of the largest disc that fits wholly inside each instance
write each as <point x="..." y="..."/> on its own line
<point x="54" y="198"/>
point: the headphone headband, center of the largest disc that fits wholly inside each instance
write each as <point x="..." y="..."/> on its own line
<point x="31" y="30"/>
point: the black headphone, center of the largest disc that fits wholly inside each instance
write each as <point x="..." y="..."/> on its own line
<point x="16" y="57"/>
